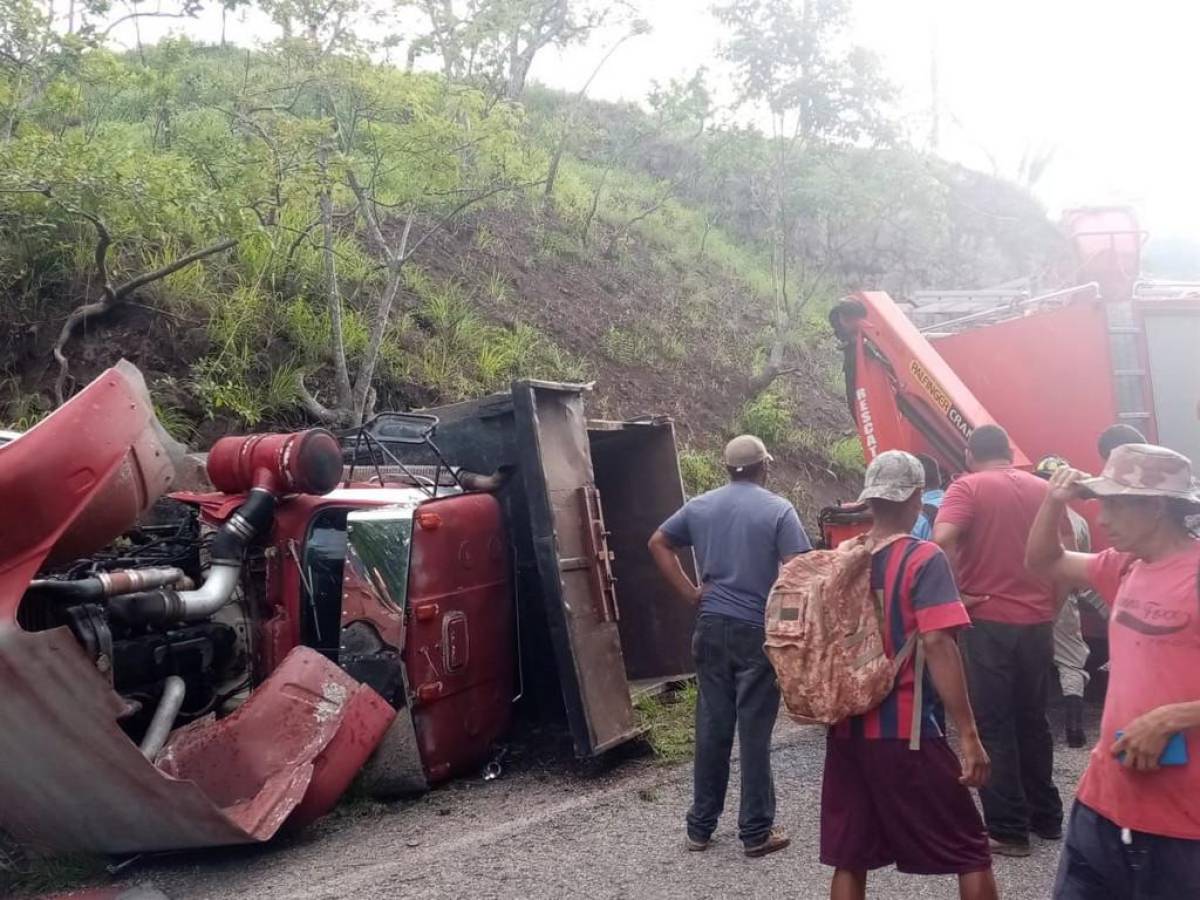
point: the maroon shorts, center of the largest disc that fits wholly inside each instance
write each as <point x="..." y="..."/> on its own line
<point x="883" y="804"/>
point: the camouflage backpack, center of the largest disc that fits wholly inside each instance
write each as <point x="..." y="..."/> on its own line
<point x="824" y="636"/>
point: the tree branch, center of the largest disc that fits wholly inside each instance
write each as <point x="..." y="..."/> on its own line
<point x="113" y="297"/>
<point x="313" y="406"/>
<point x="463" y="207"/>
<point x="361" y="394"/>
<point x="766" y="378"/>
<point x="171" y="268"/>
<point x="144" y="15"/>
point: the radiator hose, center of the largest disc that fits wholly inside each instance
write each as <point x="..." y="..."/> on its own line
<point x="165" y="605"/>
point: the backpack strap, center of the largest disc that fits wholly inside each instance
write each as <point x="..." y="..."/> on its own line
<point x="912" y="647"/>
<point x="875" y="547"/>
<point x="918" y="717"/>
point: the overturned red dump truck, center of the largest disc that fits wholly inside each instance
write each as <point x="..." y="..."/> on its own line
<point x="1054" y="368"/>
<point x="210" y="667"/>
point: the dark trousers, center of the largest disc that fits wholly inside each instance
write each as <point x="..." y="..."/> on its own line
<point x="1097" y="865"/>
<point x="737" y="690"/>
<point x="1008" y="668"/>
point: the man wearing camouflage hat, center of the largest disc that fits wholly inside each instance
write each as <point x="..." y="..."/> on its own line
<point x="1135" y="828"/>
<point x="741" y="533"/>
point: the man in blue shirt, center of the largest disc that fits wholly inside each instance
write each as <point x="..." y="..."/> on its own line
<point x="741" y="534"/>
<point x="931" y="499"/>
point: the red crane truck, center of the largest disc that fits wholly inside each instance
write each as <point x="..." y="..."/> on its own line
<point x="1054" y="369"/>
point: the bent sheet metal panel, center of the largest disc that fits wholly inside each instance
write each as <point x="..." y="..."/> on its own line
<point x="72" y="780"/>
<point x="79" y="478"/>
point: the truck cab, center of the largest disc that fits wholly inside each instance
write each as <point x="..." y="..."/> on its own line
<point x="410" y="594"/>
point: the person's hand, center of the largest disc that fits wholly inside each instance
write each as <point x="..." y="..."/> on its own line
<point x="1144" y="740"/>
<point x="976" y="766"/>
<point x="970" y="601"/>
<point x="1064" y="484"/>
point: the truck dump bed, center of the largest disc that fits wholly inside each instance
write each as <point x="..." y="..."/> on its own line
<point x="584" y="498"/>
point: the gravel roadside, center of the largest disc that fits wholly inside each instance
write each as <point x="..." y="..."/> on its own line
<point x="538" y="832"/>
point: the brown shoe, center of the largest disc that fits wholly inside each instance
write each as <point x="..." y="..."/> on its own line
<point x="695" y="846"/>
<point x="1008" y="848"/>
<point x="777" y="839"/>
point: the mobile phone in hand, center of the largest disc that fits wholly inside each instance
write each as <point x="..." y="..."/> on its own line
<point x="1175" y="753"/>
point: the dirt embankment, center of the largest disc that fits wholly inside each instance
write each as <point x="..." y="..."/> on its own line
<point x="692" y="329"/>
<point x="658" y="336"/>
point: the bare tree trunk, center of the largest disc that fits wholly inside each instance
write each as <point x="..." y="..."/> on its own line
<point x="757" y="384"/>
<point x="576" y="102"/>
<point x="512" y="89"/>
<point x="587" y="223"/>
<point x="710" y="222"/>
<point x="332" y="294"/>
<point x="356" y="401"/>
<point x="383" y="310"/>
<point x="137" y="31"/>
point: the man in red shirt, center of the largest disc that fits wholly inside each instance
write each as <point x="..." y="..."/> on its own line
<point x="983" y="525"/>
<point x="1135" y="827"/>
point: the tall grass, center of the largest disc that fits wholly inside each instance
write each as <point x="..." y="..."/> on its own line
<point x="769" y="416"/>
<point x="701" y="471"/>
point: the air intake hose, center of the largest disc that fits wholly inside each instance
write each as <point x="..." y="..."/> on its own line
<point x="160" y="607"/>
<point x="108" y="584"/>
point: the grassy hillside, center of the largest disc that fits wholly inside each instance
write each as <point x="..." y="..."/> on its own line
<point x="639" y="271"/>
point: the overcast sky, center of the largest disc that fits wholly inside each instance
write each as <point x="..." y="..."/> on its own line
<point x="1107" y="84"/>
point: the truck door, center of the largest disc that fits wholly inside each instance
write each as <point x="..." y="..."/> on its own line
<point x="373" y="636"/>
<point x="574" y="564"/>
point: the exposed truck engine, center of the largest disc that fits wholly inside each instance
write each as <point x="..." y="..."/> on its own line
<point x="164" y="612"/>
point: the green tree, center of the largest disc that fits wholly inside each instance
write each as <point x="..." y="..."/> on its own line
<point x="794" y="63"/>
<point x="325" y="26"/>
<point x="495" y="42"/>
<point x="564" y="128"/>
<point x="32" y="54"/>
<point x="421" y="152"/>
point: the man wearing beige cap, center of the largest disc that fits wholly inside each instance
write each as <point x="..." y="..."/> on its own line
<point x="893" y="791"/>
<point x="1135" y="828"/>
<point x="741" y="534"/>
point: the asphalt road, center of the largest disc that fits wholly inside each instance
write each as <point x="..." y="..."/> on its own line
<point x="542" y="832"/>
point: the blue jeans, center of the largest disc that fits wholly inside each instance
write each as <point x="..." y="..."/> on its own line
<point x="737" y="691"/>
<point x="1096" y="864"/>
